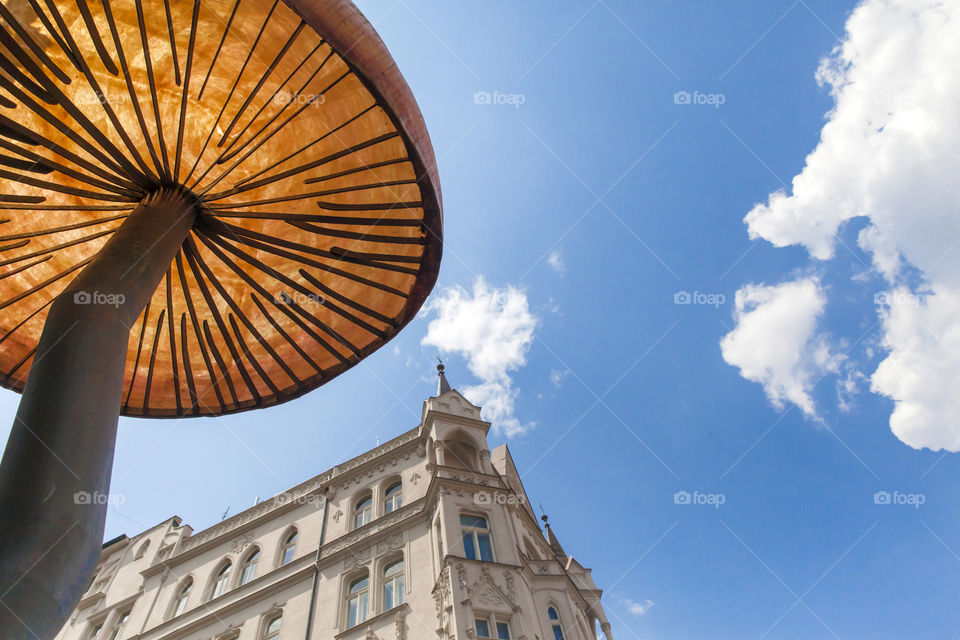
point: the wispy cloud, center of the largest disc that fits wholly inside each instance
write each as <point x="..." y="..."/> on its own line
<point x="555" y="260"/>
<point x="637" y="608"/>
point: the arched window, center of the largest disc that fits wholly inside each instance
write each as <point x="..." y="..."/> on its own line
<point x="461" y="454"/>
<point x="249" y="569"/>
<point x="393" y="587"/>
<point x="119" y="625"/>
<point x="476" y="538"/>
<point x="362" y="512"/>
<point x="393" y="497"/>
<point x="289" y="548"/>
<point x="555" y="623"/>
<point x="221" y="581"/>
<point x="180" y="600"/>
<point x="142" y="551"/>
<point x="358" y="601"/>
<point x="271" y="630"/>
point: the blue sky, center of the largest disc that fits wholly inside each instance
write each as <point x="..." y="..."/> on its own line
<point x="586" y="196"/>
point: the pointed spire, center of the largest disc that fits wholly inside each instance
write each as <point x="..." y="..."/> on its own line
<point x="554" y="543"/>
<point x="442" y="385"/>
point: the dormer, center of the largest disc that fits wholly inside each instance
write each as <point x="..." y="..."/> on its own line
<point x="454" y="432"/>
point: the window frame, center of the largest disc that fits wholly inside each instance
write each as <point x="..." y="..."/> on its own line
<point x="399" y="578"/>
<point x="556" y="622"/>
<point x="365" y="514"/>
<point x="397" y="497"/>
<point x="362" y="595"/>
<point x="222" y="576"/>
<point x="475" y="533"/>
<point x="119" y="623"/>
<point x="288" y="542"/>
<point x="252" y="561"/>
<point x="182" y="595"/>
<point x="492" y="621"/>
<point x="268" y="620"/>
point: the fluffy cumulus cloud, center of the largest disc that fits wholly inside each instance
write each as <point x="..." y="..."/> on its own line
<point x="493" y="329"/>
<point x="888" y="153"/>
<point x="776" y="343"/>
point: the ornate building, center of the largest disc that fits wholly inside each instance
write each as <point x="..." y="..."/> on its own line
<point x="429" y="535"/>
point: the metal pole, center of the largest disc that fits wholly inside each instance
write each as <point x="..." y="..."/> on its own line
<point x="55" y="474"/>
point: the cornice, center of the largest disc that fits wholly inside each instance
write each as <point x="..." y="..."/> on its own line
<point x="214" y="536"/>
<point x="229" y="602"/>
<point x="380" y="528"/>
<point x="432" y="414"/>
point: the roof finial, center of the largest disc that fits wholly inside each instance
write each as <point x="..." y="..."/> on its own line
<point x="552" y="539"/>
<point x="442" y="385"/>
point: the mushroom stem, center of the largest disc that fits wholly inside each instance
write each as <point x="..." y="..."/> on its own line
<point x="55" y="474"/>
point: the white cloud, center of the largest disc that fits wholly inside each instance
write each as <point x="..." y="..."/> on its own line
<point x="888" y="153"/>
<point x="922" y="368"/>
<point x="636" y="608"/>
<point x="775" y="342"/>
<point x="557" y="376"/>
<point x="493" y="329"/>
<point x="555" y="260"/>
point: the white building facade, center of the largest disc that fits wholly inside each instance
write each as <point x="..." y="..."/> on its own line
<point x="428" y="536"/>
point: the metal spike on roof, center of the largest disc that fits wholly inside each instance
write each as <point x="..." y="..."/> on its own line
<point x="554" y="543"/>
<point x="442" y="385"/>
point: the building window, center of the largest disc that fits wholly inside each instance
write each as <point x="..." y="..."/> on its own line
<point x="555" y="623"/>
<point x="221" y="581"/>
<point x="362" y="512"/>
<point x="289" y="548"/>
<point x="249" y="570"/>
<point x="476" y="538"/>
<point x="119" y="625"/>
<point x="393" y="498"/>
<point x="180" y="602"/>
<point x="393" y="587"/>
<point x="95" y="632"/>
<point x="358" y="600"/>
<point x="484" y="627"/>
<point x="271" y="630"/>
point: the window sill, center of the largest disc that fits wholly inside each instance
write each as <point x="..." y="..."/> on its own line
<point x="359" y="630"/>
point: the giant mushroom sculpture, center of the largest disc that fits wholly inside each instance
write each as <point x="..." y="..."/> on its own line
<point x="205" y="207"/>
